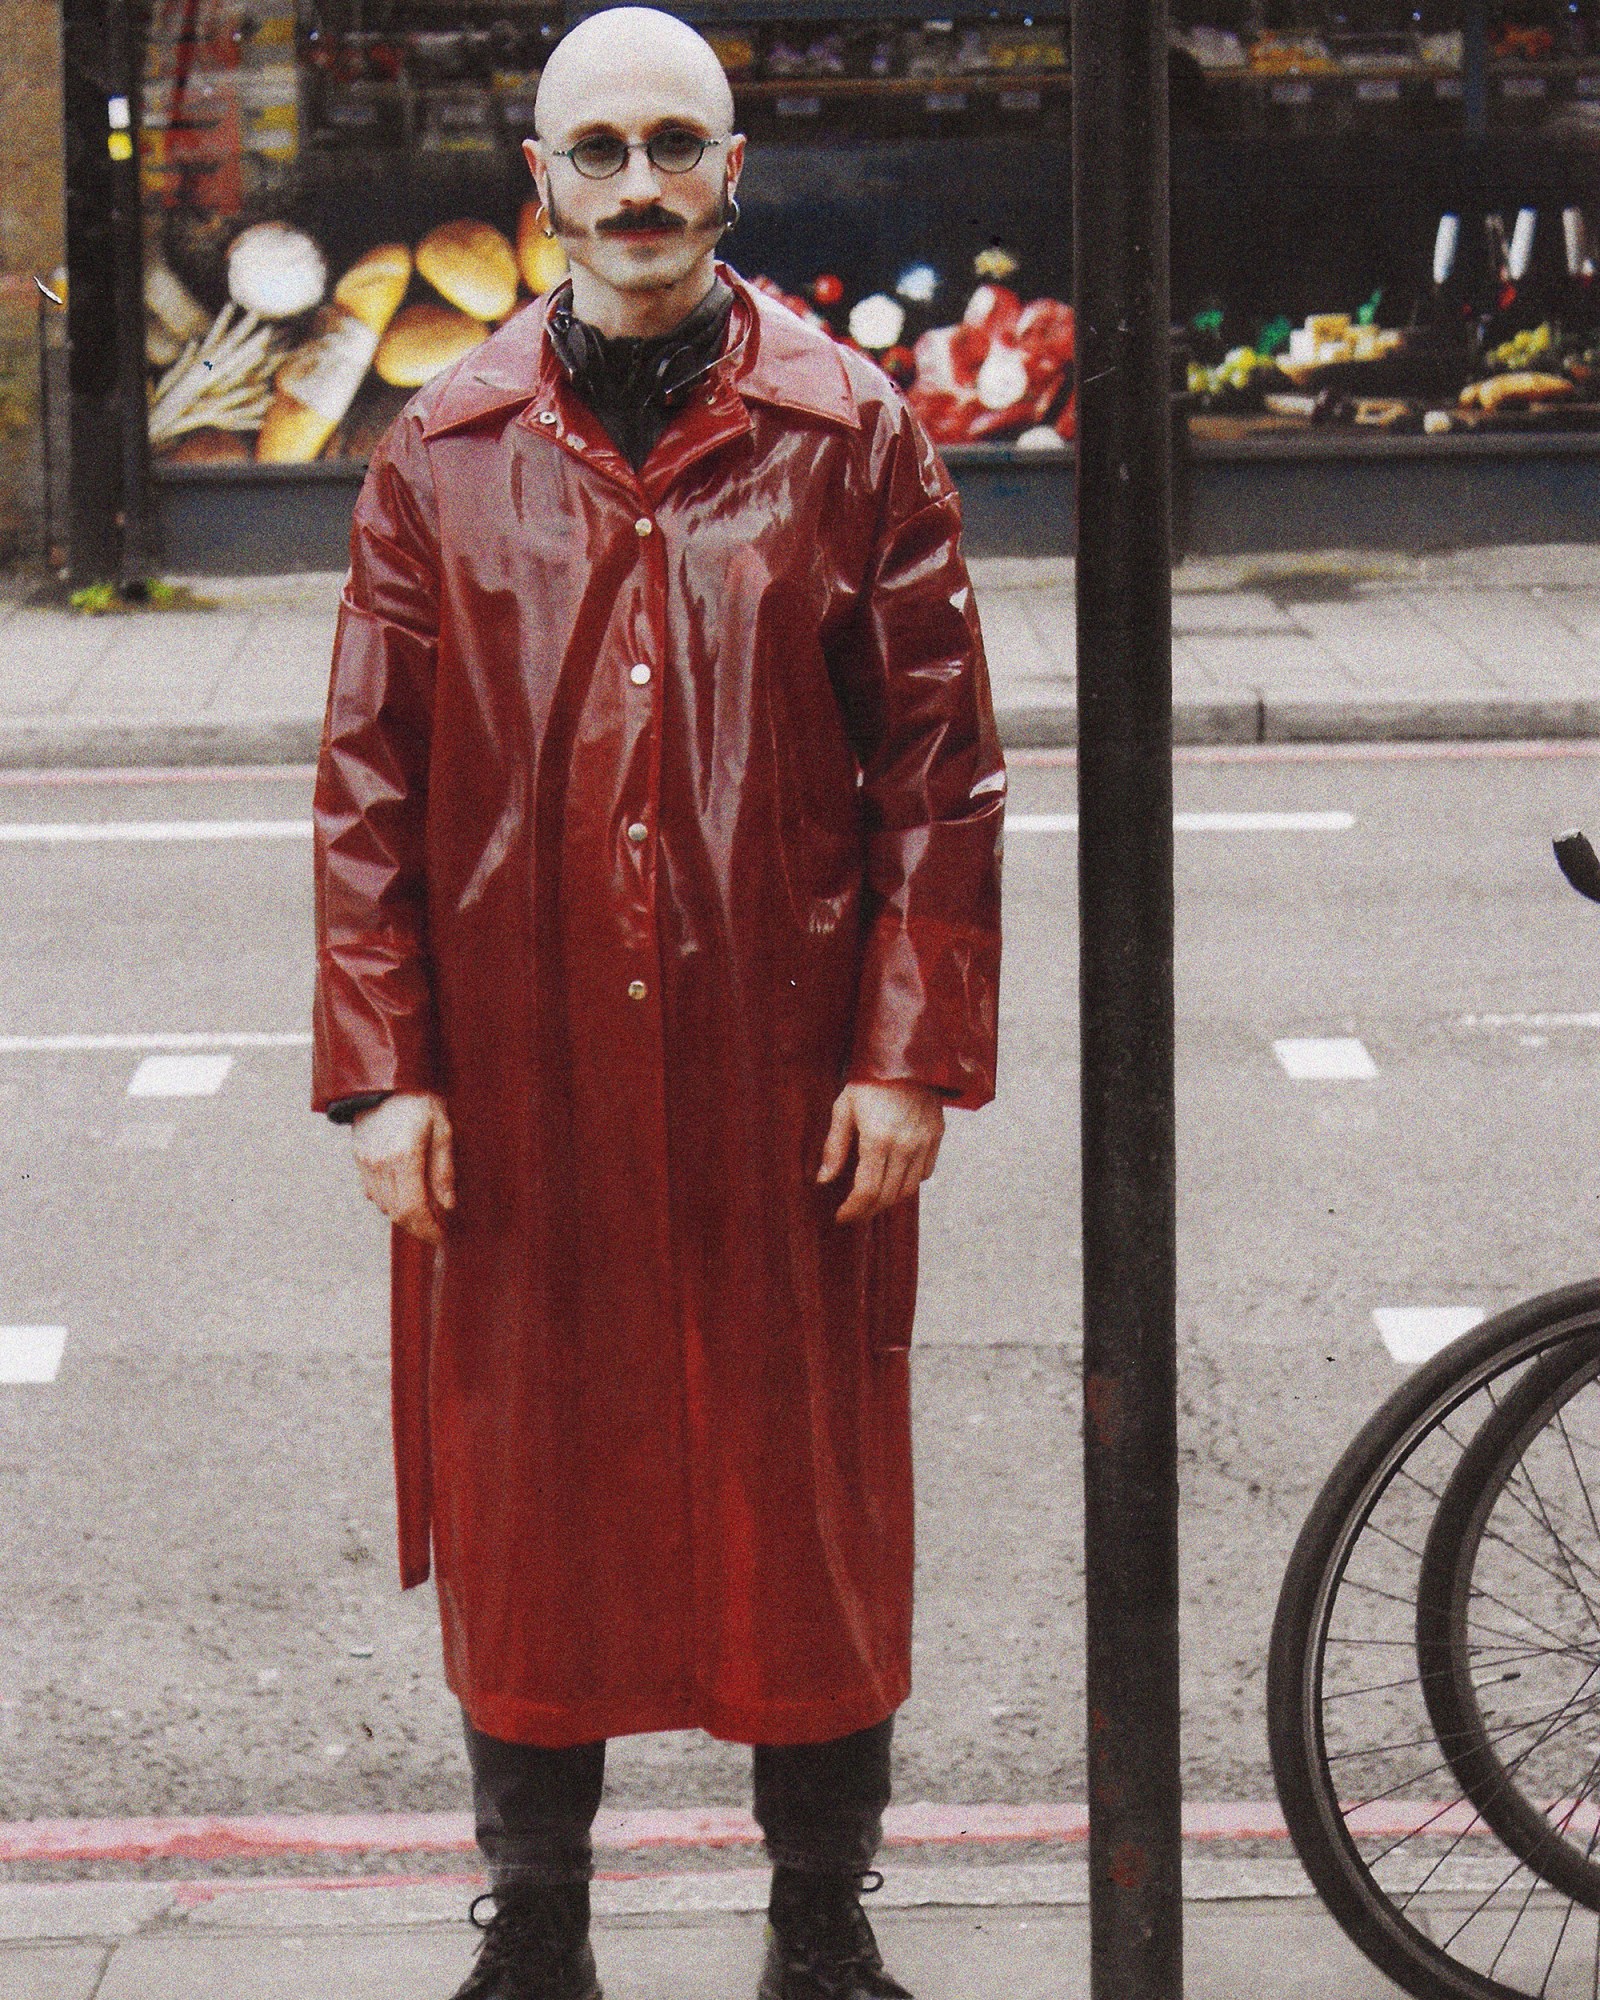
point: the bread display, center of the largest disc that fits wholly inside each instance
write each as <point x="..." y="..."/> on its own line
<point x="472" y="266"/>
<point x="423" y="339"/>
<point x="318" y="381"/>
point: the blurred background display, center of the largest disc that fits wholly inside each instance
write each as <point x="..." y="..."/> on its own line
<point x="1385" y="217"/>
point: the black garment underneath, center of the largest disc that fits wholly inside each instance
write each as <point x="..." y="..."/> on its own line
<point x="633" y="385"/>
<point x="819" y="1805"/>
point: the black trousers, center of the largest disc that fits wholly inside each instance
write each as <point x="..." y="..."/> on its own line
<point x="819" y="1805"/>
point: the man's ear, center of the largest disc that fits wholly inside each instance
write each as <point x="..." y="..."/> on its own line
<point x="530" y="152"/>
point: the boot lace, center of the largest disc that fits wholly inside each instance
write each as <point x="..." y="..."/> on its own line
<point x="520" y="1929"/>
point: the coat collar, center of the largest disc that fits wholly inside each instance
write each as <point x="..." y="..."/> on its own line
<point x="770" y="356"/>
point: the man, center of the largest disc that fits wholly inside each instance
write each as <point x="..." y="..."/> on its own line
<point x="658" y="821"/>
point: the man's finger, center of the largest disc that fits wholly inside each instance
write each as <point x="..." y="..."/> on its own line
<point x="421" y="1223"/>
<point x="836" y="1148"/>
<point x="411" y="1185"/>
<point x="901" y="1177"/>
<point x="863" y="1196"/>
<point x="442" y="1165"/>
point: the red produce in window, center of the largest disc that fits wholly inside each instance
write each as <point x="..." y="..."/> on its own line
<point x="1000" y="370"/>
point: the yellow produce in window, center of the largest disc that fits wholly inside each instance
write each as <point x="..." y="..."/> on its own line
<point x="472" y="265"/>
<point x="540" y="258"/>
<point x="423" y="339"/>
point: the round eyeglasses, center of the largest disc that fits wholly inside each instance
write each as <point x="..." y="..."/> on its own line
<point x="602" y="154"/>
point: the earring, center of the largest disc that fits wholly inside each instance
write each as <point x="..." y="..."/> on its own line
<point x="543" y="220"/>
<point x="733" y="220"/>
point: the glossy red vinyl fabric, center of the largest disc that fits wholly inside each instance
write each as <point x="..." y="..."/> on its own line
<point x="650" y="808"/>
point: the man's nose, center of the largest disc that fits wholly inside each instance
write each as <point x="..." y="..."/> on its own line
<point x="638" y="177"/>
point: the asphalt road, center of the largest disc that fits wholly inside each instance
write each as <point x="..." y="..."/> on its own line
<point x="196" y="1527"/>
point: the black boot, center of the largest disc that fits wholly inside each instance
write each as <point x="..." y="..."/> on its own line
<point x="535" y="1946"/>
<point x="819" y="1943"/>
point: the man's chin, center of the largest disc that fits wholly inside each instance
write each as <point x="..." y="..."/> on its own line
<point x="645" y="267"/>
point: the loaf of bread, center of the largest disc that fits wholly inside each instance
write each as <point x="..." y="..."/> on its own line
<point x="1502" y="392"/>
<point x="318" y="381"/>
<point x="207" y="446"/>
<point x="423" y="339"/>
<point x="374" y="285"/>
<point x="291" y="434"/>
<point x="472" y="265"/>
<point x="540" y="258"/>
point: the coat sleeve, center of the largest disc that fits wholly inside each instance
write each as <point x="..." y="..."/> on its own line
<point x="372" y="1019"/>
<point x="916" y="688"/>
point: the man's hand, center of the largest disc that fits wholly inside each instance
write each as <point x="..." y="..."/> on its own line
<point x="897" y="1127"/>
<point x="402" y="1147"/>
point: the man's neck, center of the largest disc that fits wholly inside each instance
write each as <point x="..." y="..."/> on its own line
<point x="639" y="315"/>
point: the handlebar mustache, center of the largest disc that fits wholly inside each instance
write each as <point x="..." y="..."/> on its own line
<point x="645" y="219"/>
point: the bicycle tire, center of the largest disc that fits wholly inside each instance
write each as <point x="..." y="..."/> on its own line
<point x="1444" y="1624"/>
<point x="1386" y="1933"/>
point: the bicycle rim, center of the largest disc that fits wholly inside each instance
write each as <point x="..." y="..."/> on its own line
<point x="1508" y="1621"/>
<point x="1390" y="1840"/>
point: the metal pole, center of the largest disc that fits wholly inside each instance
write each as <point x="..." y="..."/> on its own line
<point x="108" y="479"/>
<point x="136" y="554"/>
<point x="1125" y="901"/>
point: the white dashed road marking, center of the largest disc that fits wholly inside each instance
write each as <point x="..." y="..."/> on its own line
<point x="31" y="1353"/>
<point x="53" y="832"/>
<point x="1202" y="822"/>
<point x="180" y="1076"/>
<point x="1416" y="1333"/>
<point x="82" y="1045"/>
<point x="1529" y="1021"/>
<point x="1326" y="1059"/>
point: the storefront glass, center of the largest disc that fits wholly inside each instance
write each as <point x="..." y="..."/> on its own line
<point x="1385" y="222"/>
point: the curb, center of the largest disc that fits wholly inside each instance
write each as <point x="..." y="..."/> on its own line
<point x="89" y="746"/>
<point x="1249" y="718"/>
<point x="118" y="1910"/>
<point x="1234" y="720"/>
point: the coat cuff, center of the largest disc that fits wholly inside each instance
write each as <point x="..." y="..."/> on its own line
<point x="926" y="1012"/>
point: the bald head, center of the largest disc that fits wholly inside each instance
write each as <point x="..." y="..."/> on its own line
<point x="636" y="48"/>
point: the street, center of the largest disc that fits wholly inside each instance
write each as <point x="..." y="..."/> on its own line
<point x="196" y="1525"/>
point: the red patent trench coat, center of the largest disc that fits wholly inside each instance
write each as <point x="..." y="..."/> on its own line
<point x="650" y="808"/>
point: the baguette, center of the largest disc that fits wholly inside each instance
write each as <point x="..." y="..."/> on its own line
<point x="317" y="383"/>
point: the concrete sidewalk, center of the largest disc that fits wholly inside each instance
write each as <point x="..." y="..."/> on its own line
<point x="1481" y="644"/>
<point x="984" y="1932"/>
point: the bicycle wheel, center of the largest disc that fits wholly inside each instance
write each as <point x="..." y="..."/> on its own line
<point x="1508" y="1620"/>
<point x="1390" y="1838"/>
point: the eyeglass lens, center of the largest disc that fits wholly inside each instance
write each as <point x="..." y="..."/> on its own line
<point x="602" y="154"/>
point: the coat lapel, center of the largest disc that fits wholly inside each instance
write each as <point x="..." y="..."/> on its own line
<point x="770" y="357"/>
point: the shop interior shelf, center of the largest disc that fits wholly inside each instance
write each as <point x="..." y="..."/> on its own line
<point x="716" y="13"/>
<point x="758" y="89"/>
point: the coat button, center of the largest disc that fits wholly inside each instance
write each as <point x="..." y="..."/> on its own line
<point x="637" y="989"/>
<point x="639" y="675"/>
<point x="644" y="525"/>
<point x="548" y="417"/>
<point x="638" y="832"/>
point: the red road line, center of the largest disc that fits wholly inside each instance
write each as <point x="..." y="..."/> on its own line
<point x="219" y="1837"/>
